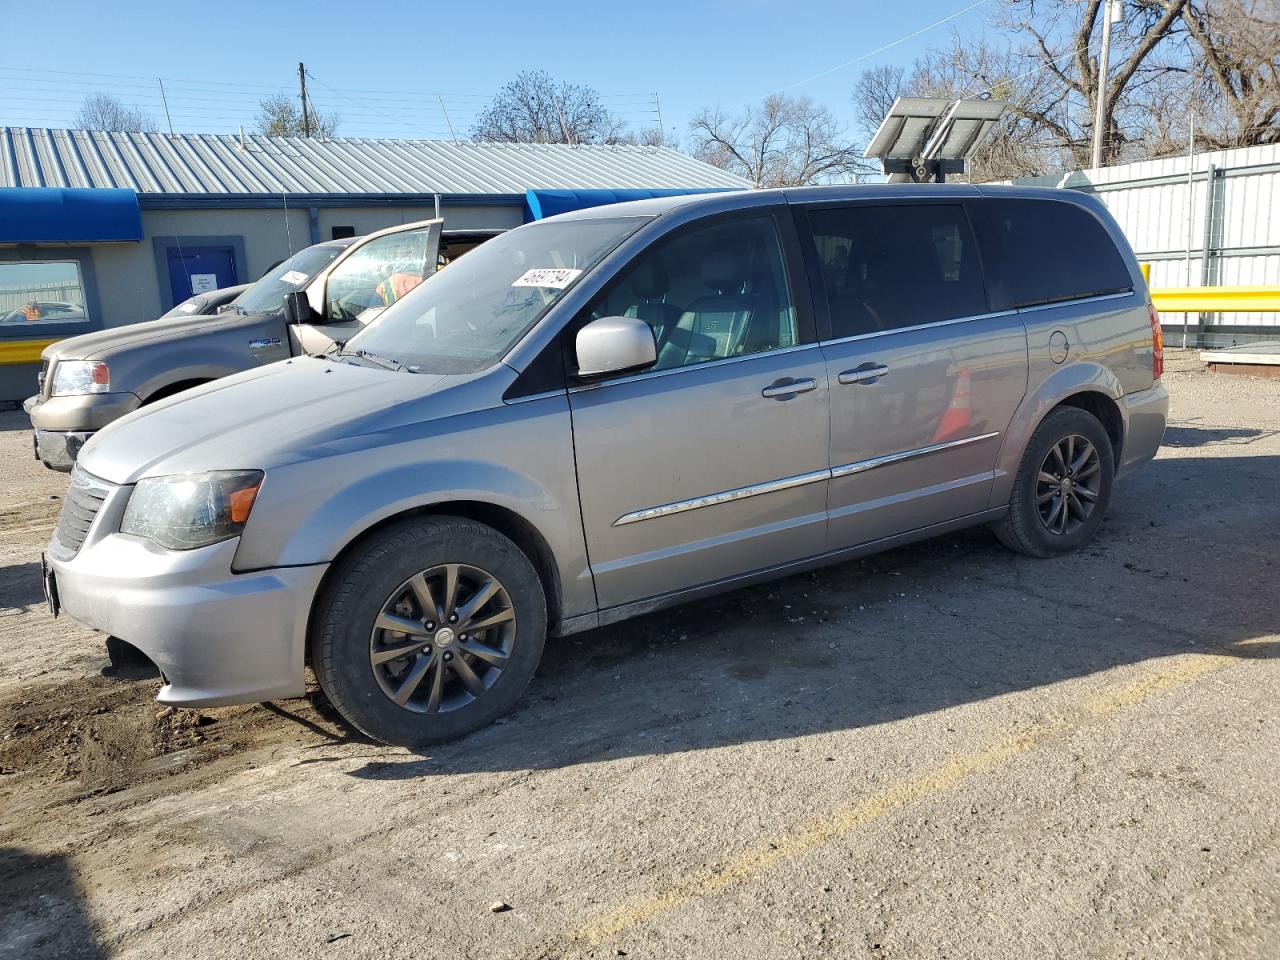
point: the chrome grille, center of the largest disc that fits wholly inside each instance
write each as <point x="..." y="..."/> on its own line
<point x="79" y="508"/>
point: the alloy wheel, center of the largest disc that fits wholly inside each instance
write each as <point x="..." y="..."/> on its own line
<point x="1067" y="486"/>
<point x="443" y="638"/>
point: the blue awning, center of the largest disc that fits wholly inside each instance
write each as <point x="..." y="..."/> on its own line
<point x="539" y="204"/>
<point x="65" y="215"/>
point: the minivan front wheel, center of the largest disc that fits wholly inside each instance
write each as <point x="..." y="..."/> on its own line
<point x="430" y="629"/>
<point x="1062" y="487"/>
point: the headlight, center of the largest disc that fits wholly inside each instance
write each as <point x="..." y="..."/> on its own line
<point x="191" y="510"/>
<point x="72" y="377"/>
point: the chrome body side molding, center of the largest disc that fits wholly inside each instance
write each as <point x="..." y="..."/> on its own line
<point x="726" y="496"/>
<point x="861" y="466"/>
<point x="786" y="483"/>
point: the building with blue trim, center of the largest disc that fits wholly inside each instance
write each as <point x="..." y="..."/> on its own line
<point x="101" y="229"/>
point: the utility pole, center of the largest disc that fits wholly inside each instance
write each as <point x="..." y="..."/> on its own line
<point x="1191" y="204"/>
<point x="302" y="83"/>
<point x="662" y="131"/>
<point x="1112" y="12"/>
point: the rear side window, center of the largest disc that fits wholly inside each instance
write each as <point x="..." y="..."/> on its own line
<point x="888" y="267"/>
<point x="1042" y="251"/>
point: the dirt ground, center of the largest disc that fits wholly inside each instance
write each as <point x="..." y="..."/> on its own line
<point x="943" y="751"/>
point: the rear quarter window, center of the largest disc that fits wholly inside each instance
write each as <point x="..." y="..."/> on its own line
<point x="1044" y="251"/>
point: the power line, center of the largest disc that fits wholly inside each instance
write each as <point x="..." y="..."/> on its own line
<point x="171" y="83"/>
<point x="878" y="50"/>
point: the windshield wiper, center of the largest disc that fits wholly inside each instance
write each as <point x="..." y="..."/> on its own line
<point x="384" y="362"/>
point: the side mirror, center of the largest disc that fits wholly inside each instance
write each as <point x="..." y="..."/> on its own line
<point x="615" y="345"/>
<point x="297" y="308"/>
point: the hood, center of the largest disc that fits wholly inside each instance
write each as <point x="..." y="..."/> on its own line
<point x="262" y="418"/>
<point x="100" y="345"/>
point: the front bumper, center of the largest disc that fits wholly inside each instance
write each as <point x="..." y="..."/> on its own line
<point x="218" y="637"/>
<point x="64" y="424"/>
<point x="58" y="451"/>
<point x="84" y="412"/>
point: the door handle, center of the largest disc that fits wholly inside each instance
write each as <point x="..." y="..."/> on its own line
<point x="787" y="388"/>
<point x="867" y="373"/>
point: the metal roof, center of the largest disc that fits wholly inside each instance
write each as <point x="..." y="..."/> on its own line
<point x="212" y="164"/>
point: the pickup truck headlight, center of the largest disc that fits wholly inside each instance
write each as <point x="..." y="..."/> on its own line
<point x="191" y="510"/>
<point x="73" y="377"/>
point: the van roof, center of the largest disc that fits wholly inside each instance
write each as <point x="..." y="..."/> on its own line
<point x="731" y="200"/>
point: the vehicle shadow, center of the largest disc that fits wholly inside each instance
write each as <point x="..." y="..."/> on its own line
<point x="20" y="586"/>
<point x="1203" y="436"/>
<point x="42" y="913"/>
<point x="906" y="633"/>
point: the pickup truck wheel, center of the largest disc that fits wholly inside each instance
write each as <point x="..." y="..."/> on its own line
<point x="1062" y="488"/>
<point x="430" y="629"/>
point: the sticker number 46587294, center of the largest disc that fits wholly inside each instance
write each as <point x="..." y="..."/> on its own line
<point x="556" y="278"/>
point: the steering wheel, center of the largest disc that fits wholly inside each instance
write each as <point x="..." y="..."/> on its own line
<point x="360" y="297"/>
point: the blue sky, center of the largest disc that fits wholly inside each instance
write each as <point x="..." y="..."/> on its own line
<point x="381" y="65"/>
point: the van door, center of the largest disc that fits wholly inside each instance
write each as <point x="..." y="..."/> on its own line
<point x="713" y="463"/>
<point x="369" y="276"/>
<point x="924" y="378"/>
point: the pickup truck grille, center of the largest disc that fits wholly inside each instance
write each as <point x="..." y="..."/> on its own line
<point x="79" y="508"/>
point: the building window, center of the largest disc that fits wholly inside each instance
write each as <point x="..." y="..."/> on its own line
<point x="341" y="233"/>
<point x="34" y="292"/>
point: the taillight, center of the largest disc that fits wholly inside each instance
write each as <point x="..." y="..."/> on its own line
<point x="1157" y="343"/>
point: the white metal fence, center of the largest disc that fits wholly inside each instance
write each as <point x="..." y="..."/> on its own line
<point x="1209" y="220"/>
<point x="11" y="298"/>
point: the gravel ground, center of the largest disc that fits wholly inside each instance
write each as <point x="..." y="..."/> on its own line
<point x="943" y="751"/>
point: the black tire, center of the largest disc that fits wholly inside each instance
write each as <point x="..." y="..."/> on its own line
<point x="1025" y="529"/>
<point x="344" y="639"/>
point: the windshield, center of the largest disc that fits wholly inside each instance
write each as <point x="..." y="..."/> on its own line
<point x="467" y="315"/>
<point x="267" y="295"/>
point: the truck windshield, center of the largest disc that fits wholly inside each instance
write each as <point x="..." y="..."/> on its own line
<point x="467" y="315"/>
<point x="267" y="295"/>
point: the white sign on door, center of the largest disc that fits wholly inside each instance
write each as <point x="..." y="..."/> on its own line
<point x="203" y="282"/>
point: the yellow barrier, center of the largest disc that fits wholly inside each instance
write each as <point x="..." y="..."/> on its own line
<point x="22" y="351"/>
<point x="1217" y="299"/>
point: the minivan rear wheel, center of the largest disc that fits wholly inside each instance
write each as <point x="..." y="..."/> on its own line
<point x="430" y="629"/>
<point x="1062" y="488"/>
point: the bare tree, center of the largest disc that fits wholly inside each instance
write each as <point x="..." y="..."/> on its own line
<point x="1060" y="41"/>
<point x="281" y="116"/>
<point x="1218" y="60"/>
<point x="655" y="136"/>
<point x="536" y="108"/>
<point x="874" y="94"/>
<point x="783" y="141"/>
<point x="1237" y="92"/>
<point x="101" y="111"/>
<point x="1018" y="146"/>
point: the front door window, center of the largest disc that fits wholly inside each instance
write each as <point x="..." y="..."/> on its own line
<point x="709" y="293"/>
<point x="379" y="273"/>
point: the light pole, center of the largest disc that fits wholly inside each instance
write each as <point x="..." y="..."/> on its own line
<point x="1113" y="12"/>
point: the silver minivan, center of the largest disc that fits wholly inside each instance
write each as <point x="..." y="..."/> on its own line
<point x="606" y="413"/>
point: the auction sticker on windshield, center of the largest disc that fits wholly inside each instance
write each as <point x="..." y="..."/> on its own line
<point x="557" y="278"/>
<point x="294" y="277"/>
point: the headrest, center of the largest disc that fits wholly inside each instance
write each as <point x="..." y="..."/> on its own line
<point x="649" y="280"/>
<point x="724" y="267"/>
